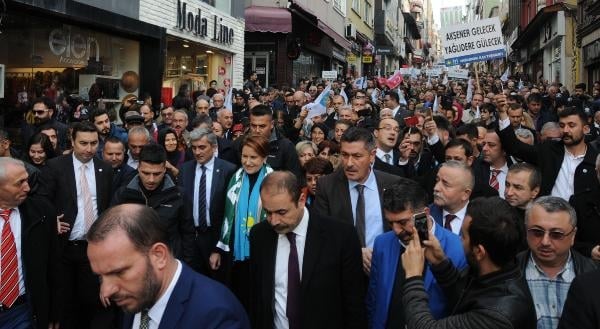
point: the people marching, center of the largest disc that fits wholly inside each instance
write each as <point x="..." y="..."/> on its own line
<point x="400" y="201"/>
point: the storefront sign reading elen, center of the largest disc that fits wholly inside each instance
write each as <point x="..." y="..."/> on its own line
<point x="72" y="48"/>
<point x="198" y="25"/>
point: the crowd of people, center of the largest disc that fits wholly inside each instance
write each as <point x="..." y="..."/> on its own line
<point x="335" y="204"/>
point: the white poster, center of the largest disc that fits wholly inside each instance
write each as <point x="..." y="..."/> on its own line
<point x="476" y="41"/>
<point x="458" y="73"/>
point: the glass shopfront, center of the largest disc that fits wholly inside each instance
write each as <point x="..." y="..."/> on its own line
<point x="44" y="57"/>
<point x="193" y="64"/>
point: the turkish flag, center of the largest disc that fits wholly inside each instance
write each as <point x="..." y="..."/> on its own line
<point x="394" y="81"/>
<point x="382" y="81"/>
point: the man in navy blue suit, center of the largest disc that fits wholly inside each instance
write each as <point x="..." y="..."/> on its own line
<point x="128" y="249"/>
<point x="401" y="202"/>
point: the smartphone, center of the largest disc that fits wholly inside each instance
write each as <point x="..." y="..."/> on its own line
<point x="411" y="121"/>
<point x="421" y="225"/>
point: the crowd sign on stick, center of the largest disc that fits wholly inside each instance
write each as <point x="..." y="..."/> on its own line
<point x="476" y="41"/>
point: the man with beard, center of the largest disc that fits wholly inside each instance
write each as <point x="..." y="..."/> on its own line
<point x="306" y="268"/>
<point x="567" y="166"/>
<point x="551" y="225"/>
<point x="491" y="294"/>
<point x="106" y="129"/>
<point x="415" y="159"/>
<point x="114" y="155"/>
<point x="179" y="124"/>
<point x="129" y="250"/>
<point x="43" y="112"/>
<point x="492" y="167"/>
<point x="384" y="298"/>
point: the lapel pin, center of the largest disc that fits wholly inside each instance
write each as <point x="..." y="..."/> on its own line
<point x="584" y="171"/>
<point x="218" y="170"/>
<point x="100" y="170"/>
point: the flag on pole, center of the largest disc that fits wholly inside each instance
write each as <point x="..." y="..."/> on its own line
<point x="358" y="83"/>
<point x="504" y="76"/>
<point x="401" y="98"/>
<point x="395" y="80"/>
<point x="469" y="90"/>
<point x="319" y="106"/>
<point x="374" y="95"/>
<point x="520" y="84"/>
<point x="229" y="99"/>
<point x="344" y="96"/>
<point x="436" y="103"/>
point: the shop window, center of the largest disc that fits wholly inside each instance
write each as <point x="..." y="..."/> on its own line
<point x="43" y="57"/>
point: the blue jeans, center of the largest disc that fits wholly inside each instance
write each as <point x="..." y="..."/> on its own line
<point x="17" y="318"/>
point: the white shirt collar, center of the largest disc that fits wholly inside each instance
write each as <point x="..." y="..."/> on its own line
<point x="158" y="309"/>
<point x="77" y="163"/>
<point x="381" y="154"/>
<point x="503" y="169"/>
<point x="460" y="214"/>
<point x="370" y="183"/>
<point x="302" y="227"/>
<point x="209" y="165"/>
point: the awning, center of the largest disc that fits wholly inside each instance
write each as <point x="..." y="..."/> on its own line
<point x="268" y="19"/>
<point x="340" y="40"/>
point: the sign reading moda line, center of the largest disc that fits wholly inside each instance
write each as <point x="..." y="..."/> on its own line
<point x="473" y="42"/>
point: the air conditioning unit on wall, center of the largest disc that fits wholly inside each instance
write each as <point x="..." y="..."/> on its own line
<point x="350" y="31"/>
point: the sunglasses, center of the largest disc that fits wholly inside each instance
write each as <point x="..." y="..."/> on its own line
<point x="538" y="233"/>
<point x="39" y="112"/>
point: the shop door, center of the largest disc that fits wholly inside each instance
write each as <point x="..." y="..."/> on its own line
<point x="259" y="62"/>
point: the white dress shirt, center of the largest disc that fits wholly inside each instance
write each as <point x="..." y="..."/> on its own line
<point x="78" y="230"/>
<point x="281" y="269"/>
<point x="158" y="309"/>
<point x="373" y="215"/>
<point x="456" y="223"/>
<point x="565" y="180"/>
<point x="501" y="178"/>
<point x="131" y="161"/>
<point x="209" y="174"/>
<point x="15" y="227"/>
<point x="395" y="111"/>
<point x="381" y="155"/>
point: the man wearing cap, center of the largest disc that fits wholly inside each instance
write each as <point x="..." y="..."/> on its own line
<point x="133" y="119"/>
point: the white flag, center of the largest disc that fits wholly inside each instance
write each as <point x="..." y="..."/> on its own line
<point x="504" y="76"/>
<point x="229" y="99"/>
<point x="344" y="96"/>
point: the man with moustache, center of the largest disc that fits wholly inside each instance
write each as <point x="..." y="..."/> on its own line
<point x="551" y="225"/>
<point x="114" y="155"/>
<point x="401" y="202"/>
<point x="306" y="268"/>
<point x="522" y="186"/>
<point x="43" y="114"/>
<point x="179" y="124"/>
<point x="106" y="129"/>
<point x="491" y="294"/>
<point x="129" y="251"/>
<point x="567" y="166"/>
<point x="354" y="193"/>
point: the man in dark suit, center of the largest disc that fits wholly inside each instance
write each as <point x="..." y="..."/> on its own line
<point x="492" y="167"/>
<point x="74" y="182"/>
<point x="29" y="223"/>
<point x="206" y="206"/>
<point x="351" y="193"/>
<point x="451" y="193"/>
<point x="567" y="166"/>
<point x="386" y="137"/>
<point x="114" y="154"/>
<point x="128" y="249"/>
<point x="306" y="268"/>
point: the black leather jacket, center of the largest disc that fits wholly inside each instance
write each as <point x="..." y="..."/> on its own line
<point x="497" y="300"/>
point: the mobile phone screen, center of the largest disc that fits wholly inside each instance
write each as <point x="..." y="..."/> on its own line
<point x="421" y="226"/>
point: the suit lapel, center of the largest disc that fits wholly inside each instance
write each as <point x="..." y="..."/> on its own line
<point x="345" y="196"/>
<point x="392" y="260"/>
<point x="71" y="179"/>
<point x="312" y="250"/>
<point x="189" y="179"/>
<point x="101" y="186"/>
<point x="381" y="189"/>
<point x="270" y="254"/>
<point x="176" y="303"/>
<point x="217" y="177"/>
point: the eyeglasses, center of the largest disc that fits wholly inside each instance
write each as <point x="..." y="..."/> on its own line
<point x="538" y="233"/>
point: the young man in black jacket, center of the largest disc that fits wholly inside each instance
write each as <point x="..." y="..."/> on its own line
<point x="492" y="294"/>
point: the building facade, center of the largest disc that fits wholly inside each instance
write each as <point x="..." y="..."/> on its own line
<point x="588" y="38"/>
<point x="451" y="16"/>
<point x="204" y="43"/>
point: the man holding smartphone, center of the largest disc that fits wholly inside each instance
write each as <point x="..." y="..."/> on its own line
<point x="405" y="208"/>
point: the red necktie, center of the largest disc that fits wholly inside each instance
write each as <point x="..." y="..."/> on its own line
<point x="9" y="274"/>
<point x="449" y="219"/>
<point x="494" y="179"/>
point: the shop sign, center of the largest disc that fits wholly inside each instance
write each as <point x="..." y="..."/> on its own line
<point x="221" y="70"/>
<point x="384" y="50"/>
<point x="367" y="59"/>
<point x="329" y="75"/>
<point x="260" y="70"/>
<point x="198" y="25"/>
<point x="351" y="58"/>
<point x="591" y="53"/>
<point x="227" y="59"/>
<point x="72" y="48"/>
